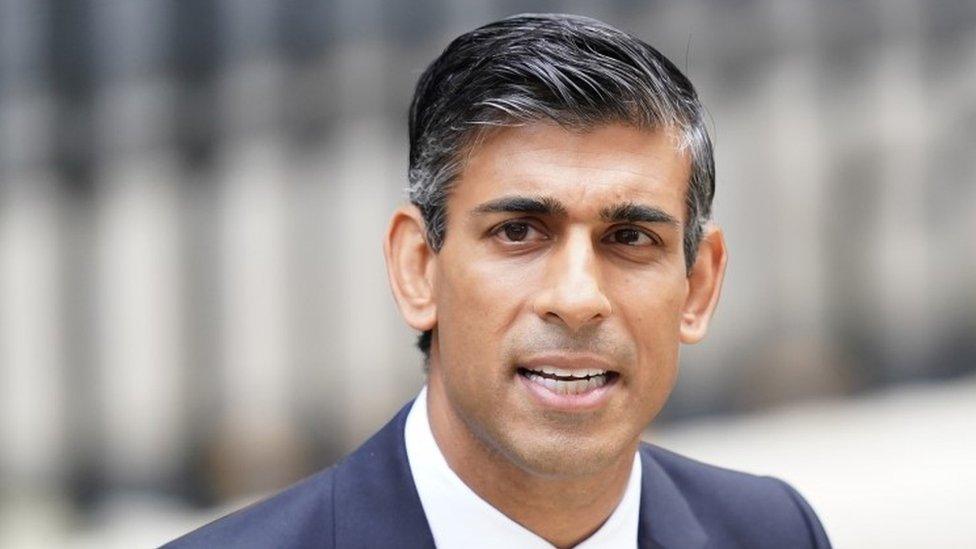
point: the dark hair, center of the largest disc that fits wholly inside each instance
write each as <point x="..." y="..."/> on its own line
<point x="575" y="71"/>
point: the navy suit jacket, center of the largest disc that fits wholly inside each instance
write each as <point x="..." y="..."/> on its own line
<point x="369" y="500"/>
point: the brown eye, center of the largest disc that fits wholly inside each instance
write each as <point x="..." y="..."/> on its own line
<point x="631" y="237"/>
<point x="515" y="232"/>
<point x="518" y="234"/>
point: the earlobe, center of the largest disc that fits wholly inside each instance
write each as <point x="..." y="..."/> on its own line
<point x="409" y="265"/>
<point x="704" y="285"/>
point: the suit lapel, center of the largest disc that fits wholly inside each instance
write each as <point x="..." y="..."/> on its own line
<point x="375" y="500"/>
<point x="666" y="520"/>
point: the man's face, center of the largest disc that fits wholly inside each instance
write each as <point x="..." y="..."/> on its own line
<point x="563" y="259"/>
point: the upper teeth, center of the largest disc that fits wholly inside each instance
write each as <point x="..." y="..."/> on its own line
<point x="585" y="372"/>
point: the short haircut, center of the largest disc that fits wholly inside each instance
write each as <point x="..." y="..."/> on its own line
<point x="574" y="71"/>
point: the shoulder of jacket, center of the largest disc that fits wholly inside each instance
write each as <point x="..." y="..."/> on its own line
<point x="289" y="518"/>
<point x="736" y="505"/>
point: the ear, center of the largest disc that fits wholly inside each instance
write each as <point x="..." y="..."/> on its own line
<point x="410" y="266"/>
<point x="704" y="285"/>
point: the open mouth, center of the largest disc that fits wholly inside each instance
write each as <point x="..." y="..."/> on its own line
<point x="569" y="382"/>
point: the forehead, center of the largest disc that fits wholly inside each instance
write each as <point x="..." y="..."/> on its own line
<point x="585" y="170"/>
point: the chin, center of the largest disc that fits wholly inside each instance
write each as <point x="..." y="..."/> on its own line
<point x="559" y="456"/>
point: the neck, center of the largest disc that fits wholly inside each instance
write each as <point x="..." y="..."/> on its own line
<point x="563" y="510"/>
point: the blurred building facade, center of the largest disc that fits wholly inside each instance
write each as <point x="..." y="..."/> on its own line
<point x="193" y="300"/>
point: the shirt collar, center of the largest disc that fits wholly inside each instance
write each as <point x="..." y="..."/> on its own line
<point x="458" y="517"/>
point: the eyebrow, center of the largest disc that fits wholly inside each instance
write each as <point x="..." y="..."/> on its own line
<point x="543" y="205"/>
<point x="631" y="212"/>
<point x="627" y="212"/>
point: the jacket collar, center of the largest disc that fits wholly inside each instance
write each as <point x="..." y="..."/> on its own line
<point x="666" y="519"/>
<point x="376" y="502"/>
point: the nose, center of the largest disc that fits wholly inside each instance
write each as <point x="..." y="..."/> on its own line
<point x="571" y="293"/>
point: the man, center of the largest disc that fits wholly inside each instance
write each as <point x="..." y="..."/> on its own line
<point x="556" y="252"/>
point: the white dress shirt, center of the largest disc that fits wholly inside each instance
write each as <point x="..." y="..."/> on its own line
<point x="458" y="517"/>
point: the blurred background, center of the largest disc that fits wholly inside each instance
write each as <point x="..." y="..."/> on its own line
<point x="194" y="308"/>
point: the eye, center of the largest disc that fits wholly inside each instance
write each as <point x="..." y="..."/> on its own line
<point x="518" y="231"/>
<point x="630" y="236"/>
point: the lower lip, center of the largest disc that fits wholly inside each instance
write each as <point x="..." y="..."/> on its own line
<point x="583" y="402"/>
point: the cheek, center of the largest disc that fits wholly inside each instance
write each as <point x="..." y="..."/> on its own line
<point x="477" y="302"/>
<point x="651" y="309"/>
<point x="653" y="299"/>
